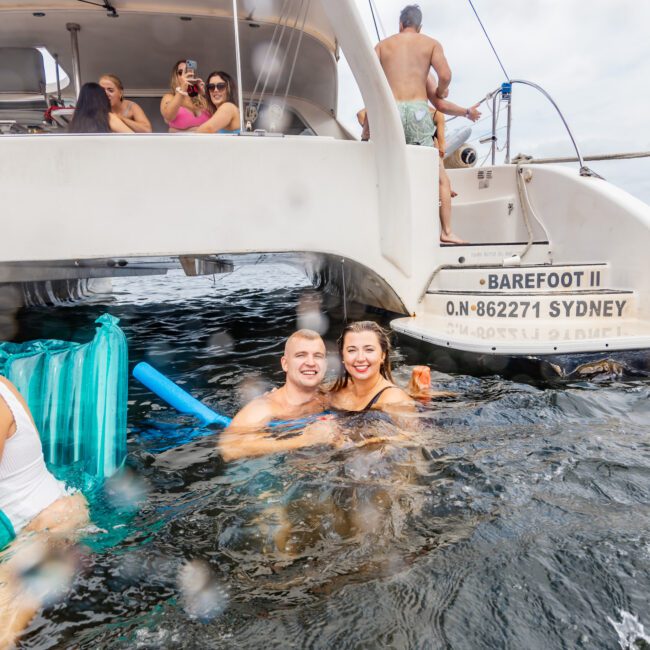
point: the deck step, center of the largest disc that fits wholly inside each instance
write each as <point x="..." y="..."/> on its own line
<point x="540" y="278"/>
<point x="525" y="337"/>
<point x="606" y="304"/>
<point x="493" y="254"/>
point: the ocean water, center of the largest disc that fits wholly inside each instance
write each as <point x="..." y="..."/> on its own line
<point x="510" y="515"/>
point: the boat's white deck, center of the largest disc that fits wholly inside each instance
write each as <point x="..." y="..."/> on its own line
<point x="494" y="336"/>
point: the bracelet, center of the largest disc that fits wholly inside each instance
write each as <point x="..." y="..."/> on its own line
<point x="467" y="113"/>
<point x="181" y="92"/>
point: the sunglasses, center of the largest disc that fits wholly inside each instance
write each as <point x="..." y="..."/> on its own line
<point x="222" y="85"/>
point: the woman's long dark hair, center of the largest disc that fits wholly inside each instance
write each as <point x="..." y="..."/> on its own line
<point x="384" y="343"/>
<point x="92" y="110"/>
<point x="232" y="89"/>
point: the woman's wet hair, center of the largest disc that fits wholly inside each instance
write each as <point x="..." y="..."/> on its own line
<point x="411" y="16"/>
<point x="232" y="89"/>
<point x="384" y="342"/>
<point x="117" y="82"/>
<point x="92" y="110"/>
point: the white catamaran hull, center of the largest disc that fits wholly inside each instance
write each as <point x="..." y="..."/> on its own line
<point x="557" y="260"/>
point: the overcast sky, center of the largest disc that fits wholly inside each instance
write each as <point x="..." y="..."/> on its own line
<point x="592" y="56"/>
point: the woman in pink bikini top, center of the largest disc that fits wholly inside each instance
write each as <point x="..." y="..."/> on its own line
<point x="179" y="110"/>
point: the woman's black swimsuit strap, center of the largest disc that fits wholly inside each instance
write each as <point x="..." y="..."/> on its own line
<point x="373" y="401"/>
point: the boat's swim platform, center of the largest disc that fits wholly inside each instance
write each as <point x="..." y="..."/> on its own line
<point x="541" y="336"/>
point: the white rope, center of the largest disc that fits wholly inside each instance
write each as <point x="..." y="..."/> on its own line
<point x="524" y="201"/>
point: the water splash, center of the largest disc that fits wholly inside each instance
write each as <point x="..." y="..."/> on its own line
<point x="631" y="633"/>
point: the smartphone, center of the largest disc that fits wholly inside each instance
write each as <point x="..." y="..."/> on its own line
<point x="190" y="68"/>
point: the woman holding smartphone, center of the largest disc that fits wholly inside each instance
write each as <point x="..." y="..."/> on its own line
<point x="184" y="108"/>
<point x="221" y="93"/>
<point x="129" y="112"/>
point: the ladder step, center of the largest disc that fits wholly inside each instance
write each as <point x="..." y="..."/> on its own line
<point x="493" y="254"/>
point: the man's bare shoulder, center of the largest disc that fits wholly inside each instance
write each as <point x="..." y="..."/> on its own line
<point x="428" y="41"/>
<point x="256" y="413"/>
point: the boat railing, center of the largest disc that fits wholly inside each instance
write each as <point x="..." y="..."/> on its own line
<point x="505" y="93"/>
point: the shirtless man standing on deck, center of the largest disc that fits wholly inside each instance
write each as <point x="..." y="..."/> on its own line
<point x="407" y="59"/>
<point x="304" y="362"/>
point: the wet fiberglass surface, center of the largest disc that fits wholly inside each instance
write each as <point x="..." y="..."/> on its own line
<point x="510" y="515"/>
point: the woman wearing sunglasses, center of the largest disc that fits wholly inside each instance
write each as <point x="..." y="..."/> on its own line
<point x="184" y="109"/>
<point x="221" y="92"/>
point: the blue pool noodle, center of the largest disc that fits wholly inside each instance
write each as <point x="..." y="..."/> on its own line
<point x="175" y="396"/>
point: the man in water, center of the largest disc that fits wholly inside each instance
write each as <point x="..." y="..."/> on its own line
<point x="304" y="362"/>
<point x="407" y="58"/>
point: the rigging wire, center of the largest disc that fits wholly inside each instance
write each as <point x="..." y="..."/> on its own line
<point x="285" y="54"/>
<point x="374" y="20"/>
<point x="382" y="29"/>
<point x="271" y="53"/>
<point x="480" y="22"/>
<point x="295" y="56"/>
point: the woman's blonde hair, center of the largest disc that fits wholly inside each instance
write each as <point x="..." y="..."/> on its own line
<point x="199" y="102"/>
<point x="384" y="343"/>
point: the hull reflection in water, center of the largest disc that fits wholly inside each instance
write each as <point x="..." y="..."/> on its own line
<point x="516" y="516"/>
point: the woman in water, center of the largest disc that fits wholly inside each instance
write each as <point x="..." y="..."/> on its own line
<point x="33" y="506"/>
<point x="92" y="113"/>
<point x="181" y="111"/>
<point x="129" y="112"/>
<point x="222" y="103"/>
<point x="366" y="382"/>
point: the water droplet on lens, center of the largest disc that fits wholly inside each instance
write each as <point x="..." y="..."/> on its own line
<point x="125" y="490"/>
<point x="202" y="595"/>
<point x="45" y="572"/>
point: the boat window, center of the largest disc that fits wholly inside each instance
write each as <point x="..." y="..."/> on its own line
<point x="50" y="72"/>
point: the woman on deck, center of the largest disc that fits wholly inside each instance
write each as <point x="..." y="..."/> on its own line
<point x="33" y="506"/>
<point x="93" y="114"/>
<point x="129" y="112"/>
<point x="184" y="109"/>
<point x="222" y="103"/>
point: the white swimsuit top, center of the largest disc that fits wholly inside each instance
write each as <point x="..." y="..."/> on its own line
<point x="26" y="485"/>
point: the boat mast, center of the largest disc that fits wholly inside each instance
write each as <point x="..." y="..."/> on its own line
<point x="74" y="28"/>
<point x="238" y="56"/>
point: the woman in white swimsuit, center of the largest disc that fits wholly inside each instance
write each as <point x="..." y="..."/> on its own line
<point x="32" y="502"/>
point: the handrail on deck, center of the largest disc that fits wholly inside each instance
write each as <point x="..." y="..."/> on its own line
<point x="505" y="91"/>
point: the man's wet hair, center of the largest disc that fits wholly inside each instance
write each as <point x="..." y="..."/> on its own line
<point x="310" y="335"/>
<point x="411" y="16"/>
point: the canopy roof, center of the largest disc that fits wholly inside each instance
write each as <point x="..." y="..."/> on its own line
<point x="149" y="36"/>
